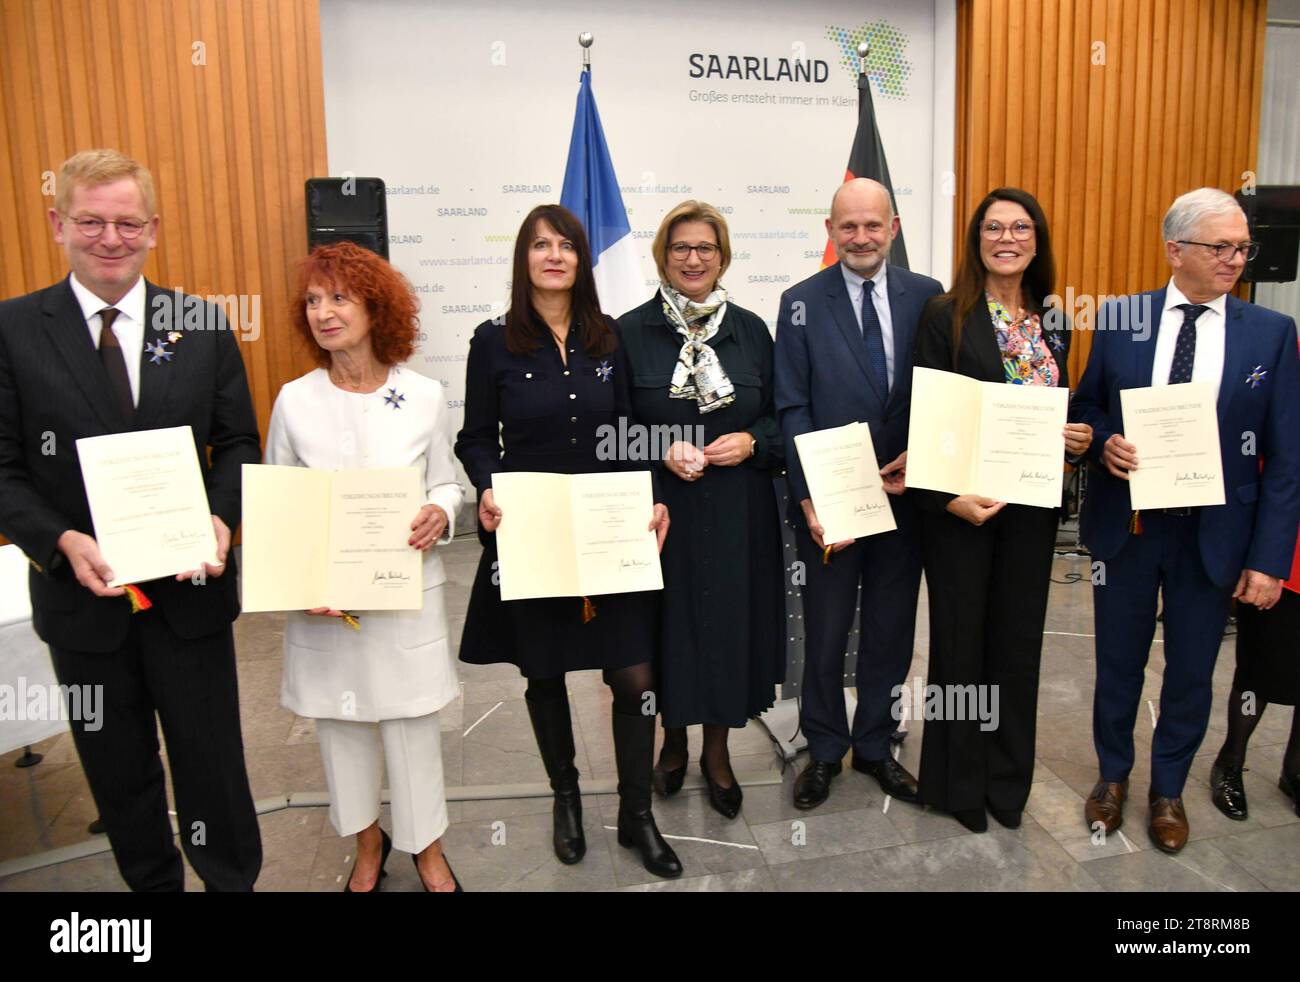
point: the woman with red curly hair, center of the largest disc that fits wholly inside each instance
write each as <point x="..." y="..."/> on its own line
<point x="375" y="694"/>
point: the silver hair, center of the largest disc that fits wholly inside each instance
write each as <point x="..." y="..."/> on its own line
<point x="1190" y="209"/>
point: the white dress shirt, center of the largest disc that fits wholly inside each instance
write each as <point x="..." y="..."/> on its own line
<point x="129" y="326"/>
<point x="1207" y="366"/>
<point x="880" y="300"/>
<point x="401" y="663"/>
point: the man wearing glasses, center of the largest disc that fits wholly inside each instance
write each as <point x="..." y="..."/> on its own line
<point x="1198" y="559"/>
<point x="103" y="352"/>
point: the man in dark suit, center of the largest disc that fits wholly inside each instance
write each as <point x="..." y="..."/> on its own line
<point x="1199" y="559"/>
<point x="844" y="340"/>
<point x="101" y="352"/>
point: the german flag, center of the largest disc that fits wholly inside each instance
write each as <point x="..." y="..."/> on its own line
<point x="867" y="159"/>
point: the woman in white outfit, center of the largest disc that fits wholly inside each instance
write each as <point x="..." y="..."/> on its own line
<point x="374" y="693"/>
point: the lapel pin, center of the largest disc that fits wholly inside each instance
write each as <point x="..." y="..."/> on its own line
<point x="604" y="370"/>
<point x="1257" y="376"/>
<point x="394" y="399"/>
<point x="159" y="352"/>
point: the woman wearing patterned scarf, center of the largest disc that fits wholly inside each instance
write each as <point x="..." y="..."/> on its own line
<point x="702" y="383"/>
<point x="987" y="563"/>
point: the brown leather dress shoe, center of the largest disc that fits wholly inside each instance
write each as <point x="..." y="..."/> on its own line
<point x="1167" y="825"/>
<point x="1105" y="804"/>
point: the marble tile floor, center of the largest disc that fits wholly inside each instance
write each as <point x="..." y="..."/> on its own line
<point x="855" y="841"/>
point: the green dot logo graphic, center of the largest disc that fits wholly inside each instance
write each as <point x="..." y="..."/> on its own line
<point x="887" y="65"/>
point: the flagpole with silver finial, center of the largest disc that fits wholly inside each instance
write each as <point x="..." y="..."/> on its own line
<point x="585" y="39"/>
<point x="864" y="49"/>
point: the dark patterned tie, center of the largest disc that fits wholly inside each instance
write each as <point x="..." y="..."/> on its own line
<point x="1185" y="347"/>
<point x="873" y="337"/>
<point x="110" y="354"/>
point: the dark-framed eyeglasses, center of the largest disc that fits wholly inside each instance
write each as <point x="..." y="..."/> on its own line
<point x="93" y="228"/>
<point x="1020" y="231"/>
<point x="1226" y="252"/>
<point x="705" y="250"/>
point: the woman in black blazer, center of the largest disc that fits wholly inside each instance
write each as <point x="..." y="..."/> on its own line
<point x="540" y="390"/>
<point x="702" y="381"/>
<point x="988" y="563"/>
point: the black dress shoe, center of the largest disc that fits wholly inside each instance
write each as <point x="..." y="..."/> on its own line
<point x="726" y="801"/>
<point x="1007" y="819"/>
<point x="813" y="786"/>
<point x="1227" y="791"/>
<point x="893" y="777"/>
<point x="973" y="818"/>
<point x="669" y="782"/>
<point x="388" y="847"/>
<point x="416" y="859"/>
<point x="1290" y="786"/>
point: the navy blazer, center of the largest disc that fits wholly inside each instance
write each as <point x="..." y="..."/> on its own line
<point x="822" y="378"/>
<point x="53" y="391"/>
<point x="1256" y="527"/>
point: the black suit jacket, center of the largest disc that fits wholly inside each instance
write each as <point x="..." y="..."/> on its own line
<point x="54" y="391"/>
<point x="978" y="356"/>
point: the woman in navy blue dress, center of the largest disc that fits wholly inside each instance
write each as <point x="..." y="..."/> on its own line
<point x="539" y="388"/>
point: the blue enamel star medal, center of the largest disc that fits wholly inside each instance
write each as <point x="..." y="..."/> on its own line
<point x="394" y="399"/>
<point x="1257" y="376"/>
<point x="158" y="351"/>
<point x="604" y="370"/>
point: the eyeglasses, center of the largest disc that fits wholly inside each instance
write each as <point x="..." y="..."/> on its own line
<point x="1020" y="231"/>
<point x="1226" y="252"/>
<point x="93" y="228"/>
<point x="705" y="250"/>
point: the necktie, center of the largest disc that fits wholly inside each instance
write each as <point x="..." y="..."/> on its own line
<point x="873" y="337"/>
<point x="110" y="354"/>
<point x="1185" y="346"/>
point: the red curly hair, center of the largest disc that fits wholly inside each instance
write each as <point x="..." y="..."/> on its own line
<point x="369" y="278"/>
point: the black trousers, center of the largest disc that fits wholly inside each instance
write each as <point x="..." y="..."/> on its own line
<point x="191" y="687"/>
<point x="988" y="601"/>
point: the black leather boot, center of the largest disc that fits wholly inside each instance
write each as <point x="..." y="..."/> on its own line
<point x="553" y="727"/>
<point x="634" y="747"/>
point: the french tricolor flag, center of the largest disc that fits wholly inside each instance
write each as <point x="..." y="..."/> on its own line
<point x="591" y="192"/>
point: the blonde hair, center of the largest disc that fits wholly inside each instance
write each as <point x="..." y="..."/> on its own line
<point x="91" y="168"/>
<point x="691" y="211"/>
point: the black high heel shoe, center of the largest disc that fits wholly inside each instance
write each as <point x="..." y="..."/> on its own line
<point x="668" y="782"/>
<point x="388" y="847"/>
<point x="974" y="819"/>
<point x="726" y="801"/>
<point x="1290" y="786"/>
<point x="416" y="860"/>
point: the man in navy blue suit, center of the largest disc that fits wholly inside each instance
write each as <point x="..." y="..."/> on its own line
<point x="844" y="341"/>
<point x="1199" y="559"/>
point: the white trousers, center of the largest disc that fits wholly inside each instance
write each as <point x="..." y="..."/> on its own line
<point x="355" y="753"/>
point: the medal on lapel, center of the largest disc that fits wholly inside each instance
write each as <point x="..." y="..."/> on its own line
<point x="394" y="399"/>
<point x="158" y="352"/>
<point x="1257" y="376"/>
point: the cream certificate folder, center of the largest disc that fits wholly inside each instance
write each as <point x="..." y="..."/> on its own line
<point x="575" y="535"/>
<point x="148" y="503"/>
<point x="338" y="539"/>
<point x="848" y="494"/>
<point x="1176" y="431"/>
<point x="1005" y="442"/>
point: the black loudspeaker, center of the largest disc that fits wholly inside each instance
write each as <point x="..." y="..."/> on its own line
<point x="354" y="209"/>
<point x="1273" y="212"/>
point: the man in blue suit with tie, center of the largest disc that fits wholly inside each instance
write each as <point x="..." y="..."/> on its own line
<point x="844" y="340"/>
<point x="1199" y="559"/>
